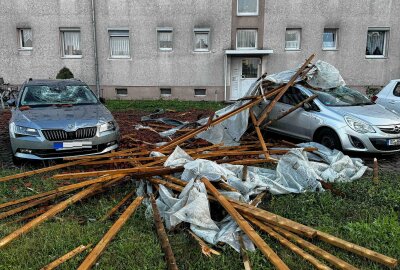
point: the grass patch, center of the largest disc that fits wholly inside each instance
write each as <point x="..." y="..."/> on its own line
<point x="151" y="105"/>
<point x="368" y="215"/>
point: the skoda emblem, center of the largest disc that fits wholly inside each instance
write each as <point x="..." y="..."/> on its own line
<point x="70" y="126"/>
<point x="396" y="129"/>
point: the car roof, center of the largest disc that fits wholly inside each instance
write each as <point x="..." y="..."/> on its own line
<point x="54" y="82"/>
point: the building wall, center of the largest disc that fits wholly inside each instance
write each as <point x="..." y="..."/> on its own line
<point x="45" y="17"/>
<point x="352" y="18"/>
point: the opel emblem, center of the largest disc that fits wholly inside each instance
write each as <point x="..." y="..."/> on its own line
<point x="396" y="129"/>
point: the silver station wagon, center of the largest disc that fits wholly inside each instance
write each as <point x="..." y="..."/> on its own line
<point x="340" y="118"/>
<point x="60" y="118"/>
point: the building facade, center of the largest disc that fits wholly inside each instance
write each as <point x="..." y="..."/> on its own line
<point x="195" y="50"/>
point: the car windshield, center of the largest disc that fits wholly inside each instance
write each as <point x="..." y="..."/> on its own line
<point x="342" y="96"/>
<point x="42" y="95"/>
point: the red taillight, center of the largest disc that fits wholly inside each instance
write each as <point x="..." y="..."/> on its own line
<point x="374" y="98"/>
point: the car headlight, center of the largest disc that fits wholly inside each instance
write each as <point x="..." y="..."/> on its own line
<point x="25" y="131"/>
<point x="107" y="126"/>
<point x="358" y="125"/>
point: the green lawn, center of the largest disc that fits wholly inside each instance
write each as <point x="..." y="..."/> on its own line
<point x="368" y="215"/>
<point x="151" y="105"/>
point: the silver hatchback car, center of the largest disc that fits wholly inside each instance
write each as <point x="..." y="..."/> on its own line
<point x="60" y="118"/>
<point x="340" y="118"/>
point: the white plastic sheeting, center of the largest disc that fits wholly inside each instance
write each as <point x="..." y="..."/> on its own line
<point x="295" y="173"/>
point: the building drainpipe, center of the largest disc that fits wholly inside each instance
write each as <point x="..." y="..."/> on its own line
<point x="96" y="59"/>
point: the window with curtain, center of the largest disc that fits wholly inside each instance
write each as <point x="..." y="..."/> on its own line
<point x="376" y="43"/>
<point x="247" y="7"/>
<point x="246" y="39"/>
<point x="329" y="39"/>
<point x="164" y="39"/>
<point x="25" y="38"/>
<point x="292" y="39"/>
<point x="71" y="40"/>
<point x="201" y="40"/>
<point x="119" y="43"/>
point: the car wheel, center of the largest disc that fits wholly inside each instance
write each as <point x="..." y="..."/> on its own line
<point x="330" y="139"/>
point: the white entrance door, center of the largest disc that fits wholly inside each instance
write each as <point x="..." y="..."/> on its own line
<point x="245" y="71"/>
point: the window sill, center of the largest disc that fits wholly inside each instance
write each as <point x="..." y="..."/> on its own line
<point x="200" y="95"/>
<point x="165" y="50"/>
<point x="327" y="49"/>
<point x="120" y="58"/>
<point x="25" y="49"/>
<point x="247" y="14"/>
<point x="72" y="57"/>
<point x="376" y="57"/>
<point x="169" y="95"/>
<point x="292" y="50"/>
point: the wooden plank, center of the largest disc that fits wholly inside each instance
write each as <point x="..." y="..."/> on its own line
<point x="306" y="256"/>
<point x="205" y="249"/>
<point x="94" y="255"/>
<point x="335" y="261"/>
<point x="246" y="227"/>
<point x="52" y="212"/>
<point x="116" y="207"/>
<point x="259" y="134"/>
<point x="162" y="236"/>
<point x="271" y="105"/>
<point x="66" y="257"/>
<point x="245" y="256"/>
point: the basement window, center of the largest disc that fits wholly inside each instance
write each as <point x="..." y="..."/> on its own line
<point x="165" y="92"/>
<point x="121" y="92"/>
<point x="200" y="92"/>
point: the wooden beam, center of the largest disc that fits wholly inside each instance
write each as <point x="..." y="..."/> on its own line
<point x="306" y="256"/>
<point x="52" y="212"/>
<point x="66" y="257"/>
<point x="163" y="237"/>
<point x="116" y="207"/>
<point x="259" y="134"/>
<point x="246" y="227"/>
<point x="94" y="255"/>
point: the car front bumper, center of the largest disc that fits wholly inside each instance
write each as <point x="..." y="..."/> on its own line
<point x="368" y="142"/>
<point x="41" y="149"/>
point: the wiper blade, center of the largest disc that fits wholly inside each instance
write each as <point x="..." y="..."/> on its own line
<point x="362" y="103"/>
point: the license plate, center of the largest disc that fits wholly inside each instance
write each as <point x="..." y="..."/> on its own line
<point x="394" y="141"/>
<point x="71" y="145"/>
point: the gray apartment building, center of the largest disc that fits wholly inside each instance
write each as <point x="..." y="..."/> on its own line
<point x="195" y="49"/>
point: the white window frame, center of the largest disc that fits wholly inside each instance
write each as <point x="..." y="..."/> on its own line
<point x="247" y="48"/>
<point x="110" y="30"/>
<point x="165" y="29"/>
<point x="20" y="39"/>
<point x="201" y="31"/>
<point x="70" y="29"/>
<point x="121" y="88"/>
<point x="165" y="95"/>
<point x="298" y="48"/>
<point x="336" y="32"/>
<point x="385" y="43"/>
<point x="247" y="13"/>
<point x="205" y="91"/>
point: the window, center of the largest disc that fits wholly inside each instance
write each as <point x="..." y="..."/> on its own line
<point x="165" y="92"/>
<point x="329" y="39"/>
<point x="200" y="92"/>
<point x="247" y="7"/>
<point x="377" y="43"/>
<point x="121" y="91"/>
<point x="250" y="68"/>
<point x="292" y="39"/>
<point x="292" y="96"/>
<point x="201" y="39"/>
<point x="25" y="38"/>
<point x="246" y="39"/>
<point x="396" y="90"/>
<point x="71" y="42"/>
<point x="164" y="36"/>
<point x="119" y="43"/>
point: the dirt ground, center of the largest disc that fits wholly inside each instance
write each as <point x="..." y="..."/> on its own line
<point x="132" y="137"/>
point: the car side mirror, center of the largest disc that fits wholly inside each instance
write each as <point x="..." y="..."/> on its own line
<point x="307" y="107"/>
<point x="102" y="100"/>
<point x="11" y="102"/>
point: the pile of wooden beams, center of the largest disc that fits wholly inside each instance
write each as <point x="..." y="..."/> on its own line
<point x="117" y="168"/>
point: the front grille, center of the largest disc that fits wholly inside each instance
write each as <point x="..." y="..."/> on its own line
<point x="390" y="129"/>
<point x="62" y="135"/>
<point x="52" y="153"/>
<point x="381" y="144"/>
